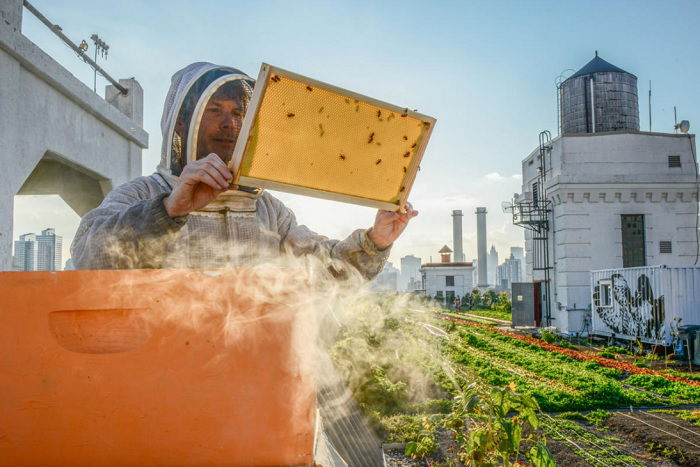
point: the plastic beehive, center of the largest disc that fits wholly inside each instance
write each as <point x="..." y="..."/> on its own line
<point x="307" y="137"/>
<point x="151" y="368"/>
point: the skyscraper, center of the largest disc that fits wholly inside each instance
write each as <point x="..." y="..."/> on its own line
<point x="49" y="257"/>
<point x="518" y="253"/>
<point x="25" y="258"/>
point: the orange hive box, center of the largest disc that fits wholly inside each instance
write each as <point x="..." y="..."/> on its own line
<point x="151" y="367"/>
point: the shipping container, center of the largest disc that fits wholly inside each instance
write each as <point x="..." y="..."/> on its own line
<point x="646" y="303"/>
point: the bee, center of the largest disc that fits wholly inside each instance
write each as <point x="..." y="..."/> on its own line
<point x="275" y="78"/>
<point x="402" y="189"/>
<point x="405" y="138"/>
<point x="404" y="170"/>
<point x="309" y="88"/>
<point x="379" y="161"/>
<point x="426" y="124"/>
<point x="290" y="115"/>
<point x="342" y="157"/>
<point x="379" y="113"/>
<point x="320" y="110"/>
<point x="413" y="145"/>
<point x="357" y="107"/>
<point x="371" y="138"/>
<point x="320" y="127"/>
<point x="347" y="101"/>
<point x="405" y="112"/>
<point x="407" y="153"/>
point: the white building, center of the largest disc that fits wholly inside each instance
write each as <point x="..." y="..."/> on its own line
<point x="446" y="280"/>
<point x="49" y="250"/>
<point x="492" y="272"/>
<point x="603" y="195"/>
<point x="80" y="145"/>
<point x="410" y="273"/>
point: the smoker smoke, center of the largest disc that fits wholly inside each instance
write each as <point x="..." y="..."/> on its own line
<point x="341" y="334"/>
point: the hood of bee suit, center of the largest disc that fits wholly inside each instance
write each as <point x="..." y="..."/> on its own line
<point x="190" y="90"/>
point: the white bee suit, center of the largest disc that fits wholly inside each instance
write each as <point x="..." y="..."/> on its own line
<point x="131" y="228"/>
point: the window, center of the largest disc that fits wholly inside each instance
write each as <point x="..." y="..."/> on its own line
<point x="535" y="193"/>
<point x="438" y="294"/>
<point x="674" y="161"/>
<point x="449" y="281"/>
<point x="605" y="289"/>
<point x="633" y="247"/>
<point x="665" y="246"/>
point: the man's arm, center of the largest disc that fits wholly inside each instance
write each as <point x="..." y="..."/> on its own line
<point x="129" y="230"/>
<point x="357" y="250"/>
<point x="134" y="227"/>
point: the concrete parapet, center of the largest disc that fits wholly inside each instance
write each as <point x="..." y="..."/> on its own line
<point x="11" y="13"/>
<point x="130" y="104"/>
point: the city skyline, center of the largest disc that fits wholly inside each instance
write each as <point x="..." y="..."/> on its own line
<point x="38" y="252"/>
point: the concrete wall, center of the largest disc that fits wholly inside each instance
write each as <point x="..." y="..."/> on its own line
<point x="593" y="180"/>
<point x="56" y="135"/>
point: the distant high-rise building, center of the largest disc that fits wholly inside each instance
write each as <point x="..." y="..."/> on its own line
<point x="69" y="265"/>
<point x="50" y="245"/>
<point x="493" y="266"/>
<point x="387" y="279"/>
<point x="519" y="253"/>
<point x="25" y="258"/>
<point x="508" y="272"/>
<point x="410" y="273"/>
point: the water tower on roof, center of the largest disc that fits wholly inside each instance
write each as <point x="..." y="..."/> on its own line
<point x="599" y="97"/>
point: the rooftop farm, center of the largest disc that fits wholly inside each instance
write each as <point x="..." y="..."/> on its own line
<point x="466" y="389"/>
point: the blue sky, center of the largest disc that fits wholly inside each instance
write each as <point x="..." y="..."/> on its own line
<point x="485" y="70"/>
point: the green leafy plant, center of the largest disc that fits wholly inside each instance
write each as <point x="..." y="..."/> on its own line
<point x="615" y="350"/>
<point x="597" y="417"/>
<point x="549" y="336"/>
<point x="425" y="442"/>
<point x="488" y="427"/>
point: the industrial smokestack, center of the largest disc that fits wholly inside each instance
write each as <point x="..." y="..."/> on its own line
<point x="482" y="279"/>
<point x="457" y="235"/>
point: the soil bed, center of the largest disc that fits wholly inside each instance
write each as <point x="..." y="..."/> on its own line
<point x="668" y="434"/>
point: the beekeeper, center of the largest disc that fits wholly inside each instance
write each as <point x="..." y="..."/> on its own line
<point x="186" y="216"/>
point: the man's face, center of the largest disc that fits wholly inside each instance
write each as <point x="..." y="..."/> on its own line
<point x="219" y="128"/>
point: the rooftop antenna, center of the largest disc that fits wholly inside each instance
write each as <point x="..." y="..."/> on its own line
<point x="102" y="48"/>
<point x="675" y="119"/>
<point x="649" y="106"/>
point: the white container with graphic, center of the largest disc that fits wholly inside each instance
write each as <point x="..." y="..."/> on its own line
<point x="648" y="303"/>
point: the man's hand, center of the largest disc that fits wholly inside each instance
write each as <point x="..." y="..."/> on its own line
<point x="200" y="182"/>
<point x="389" y="225"/>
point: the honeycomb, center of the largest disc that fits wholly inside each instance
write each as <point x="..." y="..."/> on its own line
<point x="336" y="143"/>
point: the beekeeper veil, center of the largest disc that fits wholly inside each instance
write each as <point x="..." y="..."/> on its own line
<point x="203" y="113"/>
